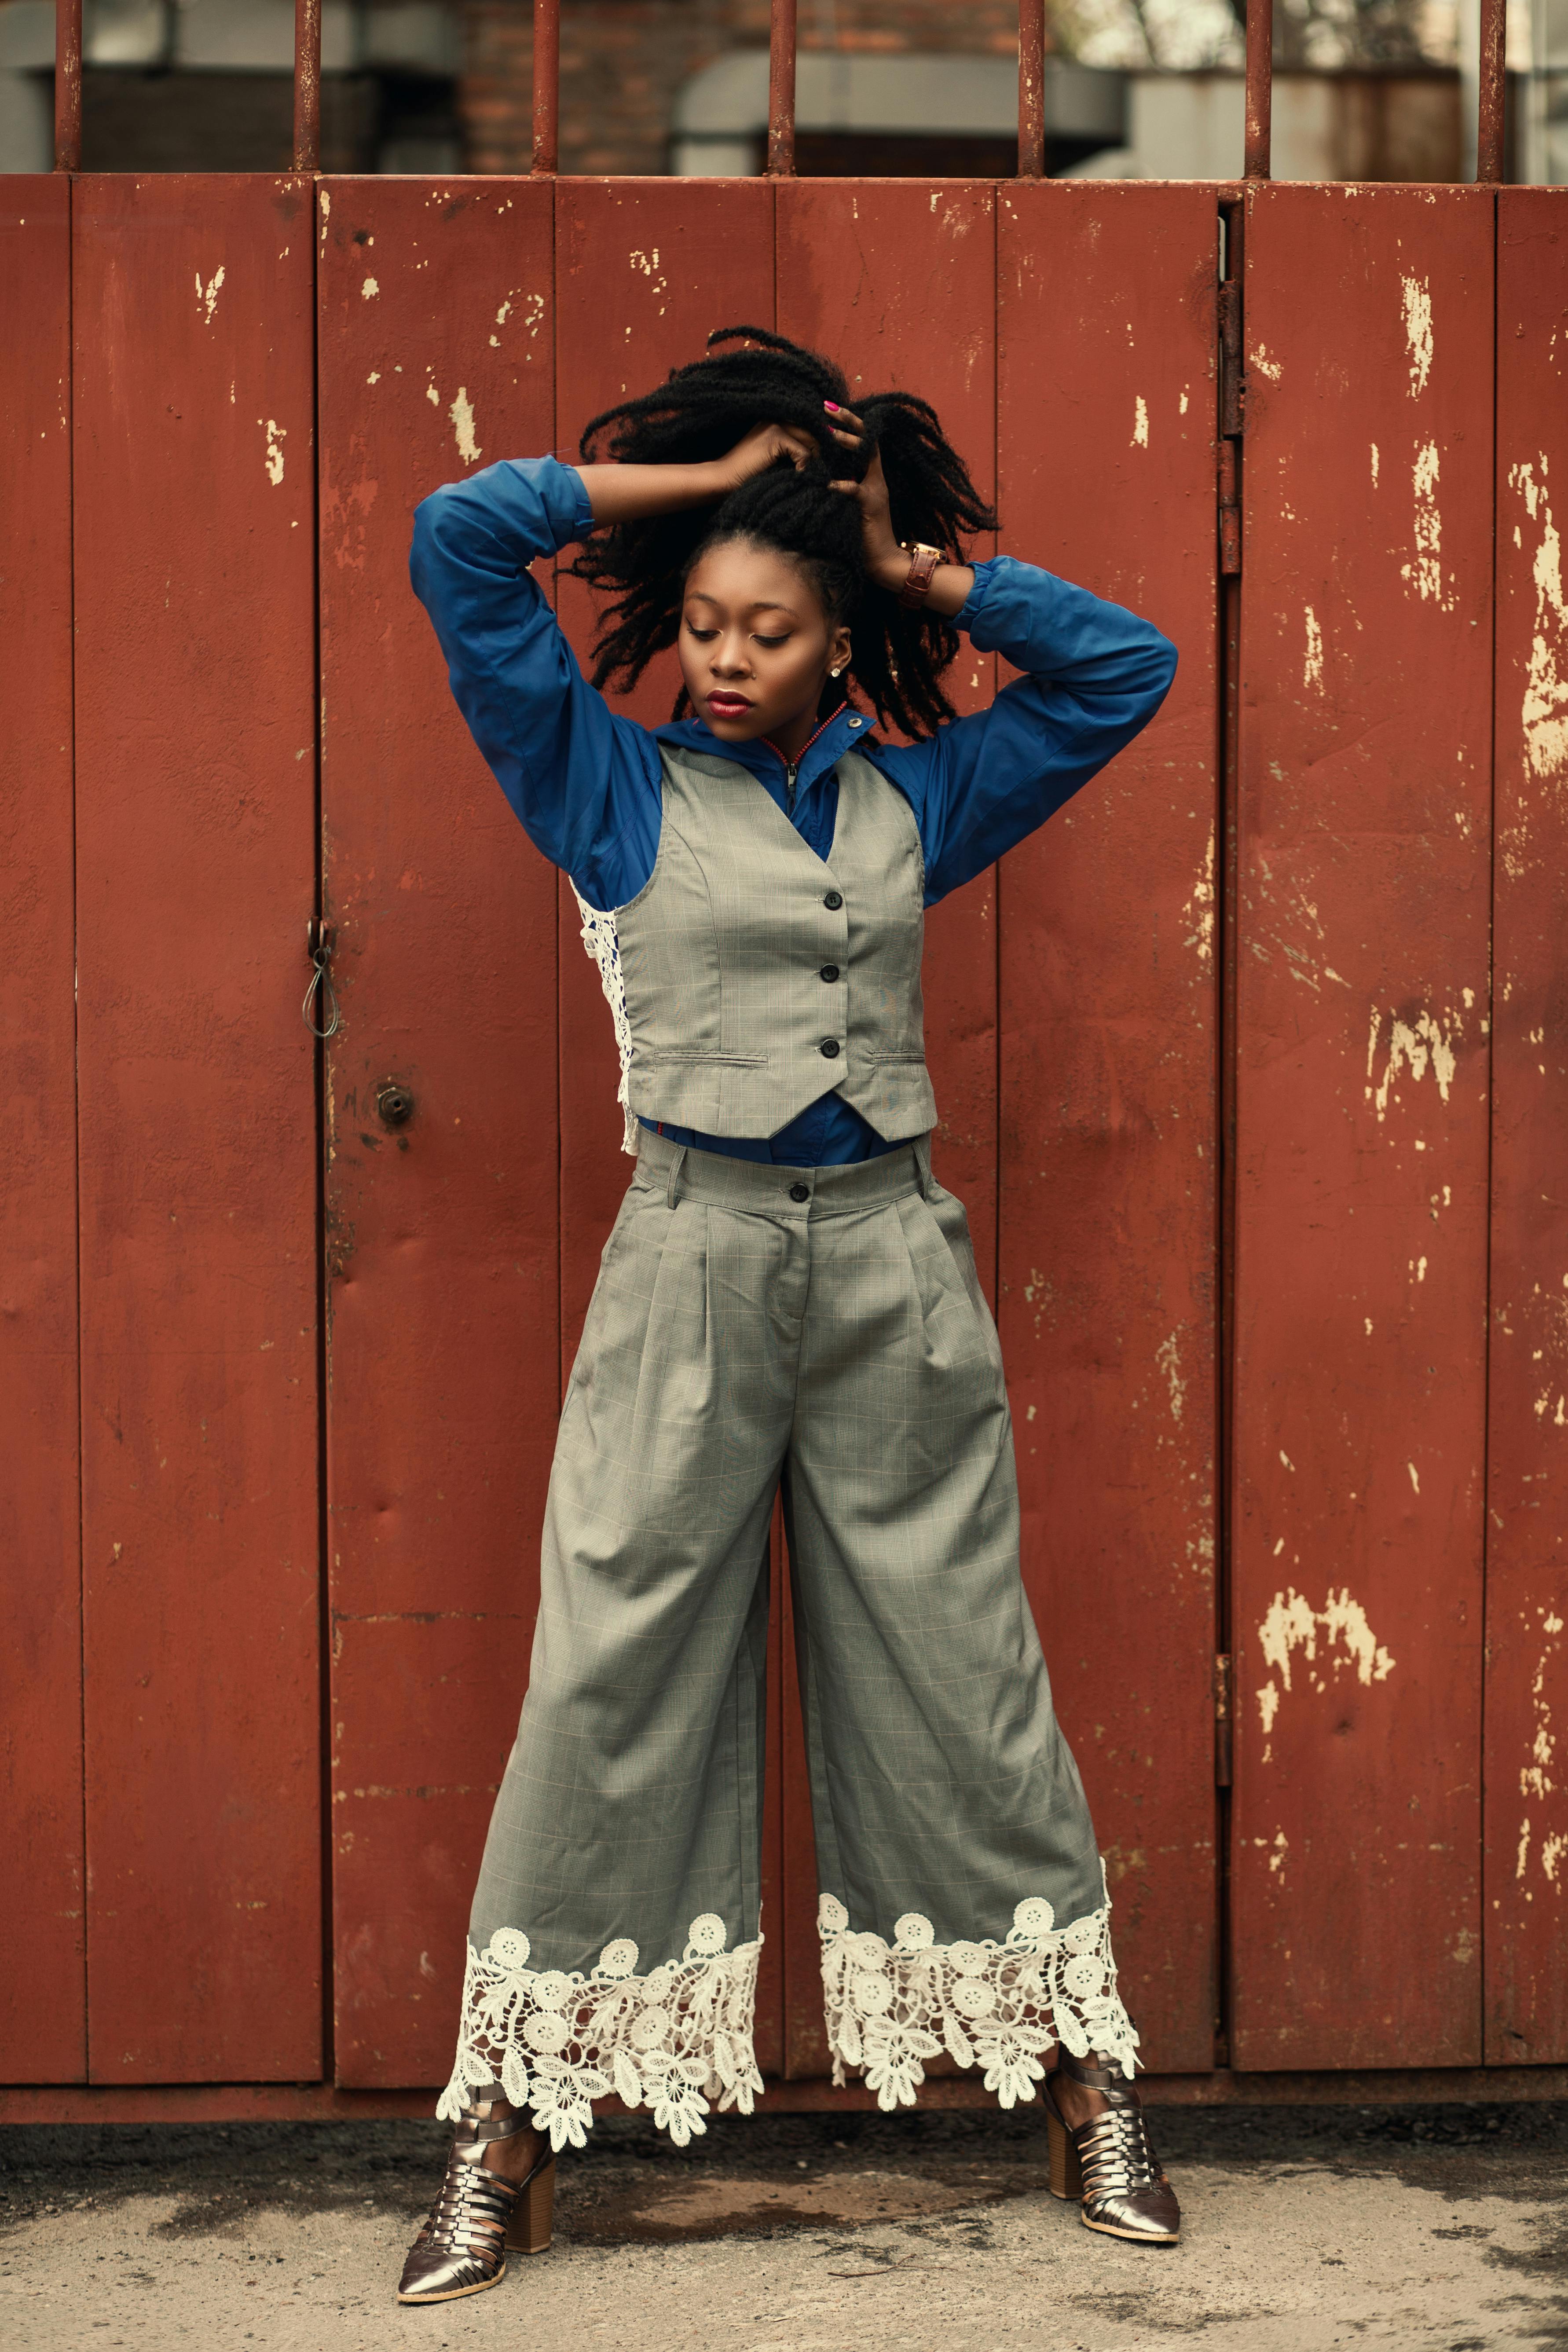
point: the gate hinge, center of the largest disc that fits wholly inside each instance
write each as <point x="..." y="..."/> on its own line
<point x="1232" y="423"/>
<point x="1222" y="1720"/>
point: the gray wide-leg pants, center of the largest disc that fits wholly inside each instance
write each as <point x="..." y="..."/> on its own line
<point x="822" y="1330"/>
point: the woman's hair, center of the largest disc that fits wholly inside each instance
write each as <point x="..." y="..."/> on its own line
<point x="897" y="657"/>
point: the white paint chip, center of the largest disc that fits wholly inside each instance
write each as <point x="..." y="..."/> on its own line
<point x="276" y="435"/>
<point x="1418" y="1046"/>
<point x="207" y="296"/>
<point x="1417" y="305"/>
<point x="1312" y="666"/>
<point x="1543" y="710"/>
<point x="1425" y="571"/>
<point x="462" y="415"/>
<point x="1292" y="1624"/>
<point x="368" y="289"/>
<point x="1139" y="423"/>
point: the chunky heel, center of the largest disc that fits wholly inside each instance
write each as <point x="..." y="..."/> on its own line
<point x="1067" y="2173"/>
<point x="532" y="2223"/>
<point x="1108" y="2165"/>
<point x="478" y="2215"/>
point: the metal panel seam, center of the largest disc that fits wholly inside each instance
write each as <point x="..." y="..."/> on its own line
<point x="319" y="1051"/>
<point x="1490" y="1258"/>
<point x="69" y="389"/>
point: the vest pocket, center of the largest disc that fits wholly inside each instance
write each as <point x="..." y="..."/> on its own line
<point x="696" y="1059"/>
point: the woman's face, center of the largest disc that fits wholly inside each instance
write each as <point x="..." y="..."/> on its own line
<point x="755" y="646"/>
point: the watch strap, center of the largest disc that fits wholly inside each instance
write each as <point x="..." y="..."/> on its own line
<point x="923" y="562"/>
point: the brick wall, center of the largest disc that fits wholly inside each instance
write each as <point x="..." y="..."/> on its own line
<point x="622" y="62"/>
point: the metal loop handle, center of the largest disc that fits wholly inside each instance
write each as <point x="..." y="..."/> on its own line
<point x="318" y="948"/>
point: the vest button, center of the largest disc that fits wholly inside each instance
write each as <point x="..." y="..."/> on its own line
<point x="800" y="1191"/>
<point x="832" y="901"/>
<point x="830" y="972"/>
<point x="830" y="1048"/>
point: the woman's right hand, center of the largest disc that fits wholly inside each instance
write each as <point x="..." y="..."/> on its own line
<point x="623" y="493"/>
<point x="761" y="446"/>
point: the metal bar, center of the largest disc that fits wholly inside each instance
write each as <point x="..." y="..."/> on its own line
<point x="1031" y="90"/>
<point x="68" y="85"/>
<point x="546" y="86"/>
<point x="1493" y="88"/>
<point x="307" y="85"/>
<point x="781" y="91"/>
<point x="1259" y="87"/>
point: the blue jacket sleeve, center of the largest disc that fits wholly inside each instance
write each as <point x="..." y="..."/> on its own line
<point x="1095" y="675"/>
<point x="584" y="780"/>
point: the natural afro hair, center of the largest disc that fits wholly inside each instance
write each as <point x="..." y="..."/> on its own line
<point x="752" y="377"/>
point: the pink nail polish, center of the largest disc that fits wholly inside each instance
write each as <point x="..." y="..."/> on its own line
<point x="832" y="408"/>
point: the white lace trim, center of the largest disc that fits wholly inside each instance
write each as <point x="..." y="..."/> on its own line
<point x="994" y="2005"/>
<point x="603" y="943"/>
<point x="674" y="2041"/>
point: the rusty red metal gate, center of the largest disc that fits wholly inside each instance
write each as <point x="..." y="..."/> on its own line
<point x="1247" y="1064"/>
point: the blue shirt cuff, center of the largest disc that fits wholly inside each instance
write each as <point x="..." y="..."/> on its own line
<point x="969" y="611"/>
<point x="582" y="511"/>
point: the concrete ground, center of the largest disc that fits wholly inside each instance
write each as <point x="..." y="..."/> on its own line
<point x="1442" y="2227"/>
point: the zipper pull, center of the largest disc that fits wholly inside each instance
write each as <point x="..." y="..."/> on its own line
<point x="790" y="774"/>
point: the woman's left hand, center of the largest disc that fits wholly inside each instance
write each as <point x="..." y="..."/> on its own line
<point x="882" y="554"/>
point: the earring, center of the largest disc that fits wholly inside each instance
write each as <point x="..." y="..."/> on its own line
<point x="834" y="673"/>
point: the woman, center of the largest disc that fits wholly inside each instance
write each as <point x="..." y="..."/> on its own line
<point x="787" y="1301"/>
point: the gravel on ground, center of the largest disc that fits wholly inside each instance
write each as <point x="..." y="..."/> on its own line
<point x="1436" y="2228"/>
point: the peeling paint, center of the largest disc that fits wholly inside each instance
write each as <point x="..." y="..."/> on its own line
<point x="1292" y="1624"/>
<point x="1168" y="1359"/>
<point x="276" y="435"/>
<point x="207" y="296"/>
<point x="1199" y="910"/>
<point x="1417" y="1046"/>
<point x="1418" y="331"/>
<point x="1139" y="423"/>
<point x="1425" y="572"/>
<point x="1260" y="360"/>
<point x="1312" y="668"/>
<point x="368" y="289"/>
<point x="1375" y="465"/>
<point x="462" y="415"/>
<point x="1544" y="712"/>
<point x="1535" y="1777"/>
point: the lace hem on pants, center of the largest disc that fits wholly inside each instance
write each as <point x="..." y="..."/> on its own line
<point x="999" y="2006"/>
<point x="676" y="2041"/>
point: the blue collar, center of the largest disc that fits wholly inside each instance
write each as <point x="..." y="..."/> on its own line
<point x="848" y="729"/>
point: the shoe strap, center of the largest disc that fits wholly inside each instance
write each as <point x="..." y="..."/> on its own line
<point x="481" y="2123"/>
<point x="1093" y="2078"/>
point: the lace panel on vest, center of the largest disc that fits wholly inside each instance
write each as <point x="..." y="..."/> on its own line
<point x="602" y="943"/>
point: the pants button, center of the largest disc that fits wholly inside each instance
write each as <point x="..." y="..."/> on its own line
<point x="800" y="1191"/>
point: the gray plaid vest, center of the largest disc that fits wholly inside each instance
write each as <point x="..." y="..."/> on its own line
<point x="735" y="1026"/>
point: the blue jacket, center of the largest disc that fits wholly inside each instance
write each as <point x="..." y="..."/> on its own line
<point x="586" y="781"/>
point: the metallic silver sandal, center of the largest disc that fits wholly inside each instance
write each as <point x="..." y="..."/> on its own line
<point x="478" y="2215"/>
<point x="1108" y="2165"/>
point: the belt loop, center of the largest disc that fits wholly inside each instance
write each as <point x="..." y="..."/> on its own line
<point x="672" y="1189"/>
<point x="922" y="1166"/>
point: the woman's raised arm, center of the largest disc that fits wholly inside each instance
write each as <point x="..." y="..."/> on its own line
<point x="583" y="779"/>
